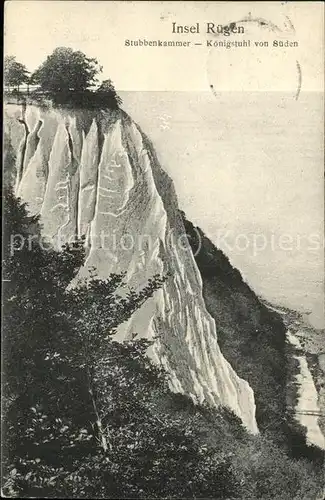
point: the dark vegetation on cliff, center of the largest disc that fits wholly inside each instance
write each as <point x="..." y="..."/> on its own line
<point x="87" y="417"/>
<point x="252" y="338"/>
<point x="66" y="78"/>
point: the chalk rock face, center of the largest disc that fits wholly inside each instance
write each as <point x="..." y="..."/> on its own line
<point x="97" y="174"/>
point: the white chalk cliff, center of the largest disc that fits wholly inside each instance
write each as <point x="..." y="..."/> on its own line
<point x="96" y="174"/>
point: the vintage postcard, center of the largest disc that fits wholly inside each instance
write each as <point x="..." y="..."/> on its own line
<point x="163" y="255"/>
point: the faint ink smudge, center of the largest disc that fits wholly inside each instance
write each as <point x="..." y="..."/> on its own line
<point x="299" y="80"/>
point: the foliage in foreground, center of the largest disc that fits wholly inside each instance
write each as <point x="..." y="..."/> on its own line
<point x="85" y="416"/>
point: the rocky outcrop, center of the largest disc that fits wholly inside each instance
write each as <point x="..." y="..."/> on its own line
<point x="96" y="174"/>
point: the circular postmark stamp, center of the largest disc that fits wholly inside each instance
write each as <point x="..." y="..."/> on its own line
<point x="262" y="58"/>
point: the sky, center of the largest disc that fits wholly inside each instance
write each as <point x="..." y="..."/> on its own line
<point x="33" y="29"/>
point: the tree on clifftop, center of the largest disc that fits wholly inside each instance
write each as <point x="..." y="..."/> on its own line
<point x="107" y="93"/>
<point x="65" y="70"/>
<point x="15" y="73"/>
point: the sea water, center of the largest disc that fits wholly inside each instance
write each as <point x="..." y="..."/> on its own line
<point x="248" y="169"/>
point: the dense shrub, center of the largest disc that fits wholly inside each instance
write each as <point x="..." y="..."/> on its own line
<point x="87" y="417"/>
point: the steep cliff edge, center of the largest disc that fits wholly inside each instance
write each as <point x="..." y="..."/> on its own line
<point x="251" y="336"/>
<point x="96" y="174"/>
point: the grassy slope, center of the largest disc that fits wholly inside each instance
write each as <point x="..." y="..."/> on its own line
<point x="252" y="338"/>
